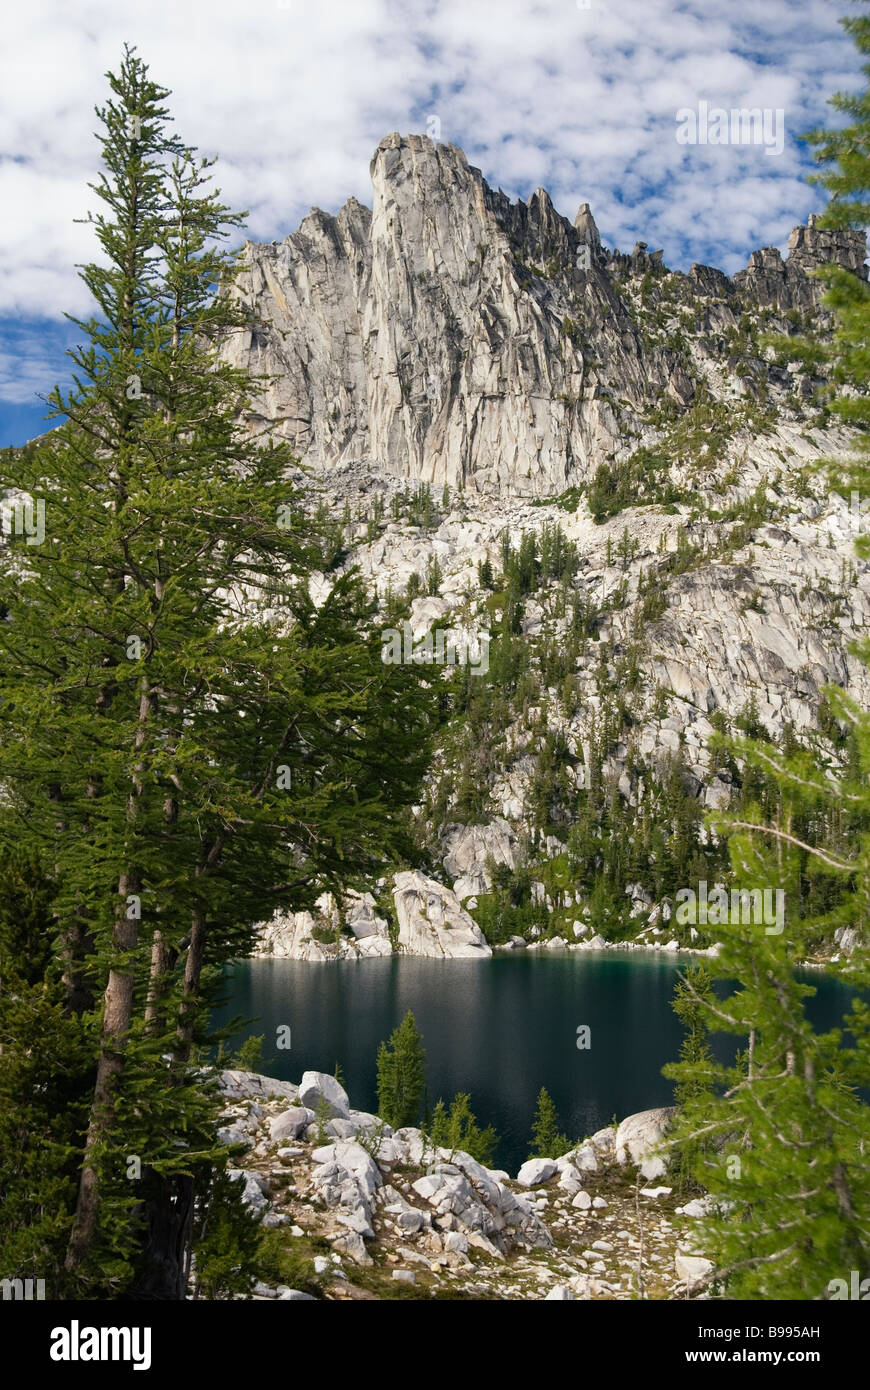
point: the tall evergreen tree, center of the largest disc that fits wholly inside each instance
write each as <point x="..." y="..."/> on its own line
<point x="183" y="764"/>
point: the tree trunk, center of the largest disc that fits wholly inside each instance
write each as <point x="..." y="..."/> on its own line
<point x="170" y="1201"/>
<point x="77" y="946"/>
<point x="117" y="1018"/>
<point x="165" y="1263"/>
<point x="163" y="958"/>
<point x="192" y="973"/>
<point x="117" y="1015"/>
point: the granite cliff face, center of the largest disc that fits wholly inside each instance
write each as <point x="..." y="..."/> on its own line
<point x="450" y="335"/>
<point x="471" y="378"/>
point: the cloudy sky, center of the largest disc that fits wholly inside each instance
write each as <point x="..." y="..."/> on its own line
<point x="577" y="96"/>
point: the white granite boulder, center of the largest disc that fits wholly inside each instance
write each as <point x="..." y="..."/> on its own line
<point x="692" y="1270"/>
<point x="319" y="1086"/>
<point x="638" y="1136"/>
<point x="536" y="1171"/>
<point x="432" y="922"/>
<point x="290" y="1123"/>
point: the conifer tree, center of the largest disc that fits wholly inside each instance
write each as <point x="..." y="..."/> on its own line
<point x="46" y="1080"/>
<point x="457" y="1129"/>
<point x="183" y="765"/>
<point x="401" y="1075"/>
<point x="547" y="1141"/>
<point x="789" y="1167"/>
<point x="693" y="997"/>
<point x="778" y="1137"/>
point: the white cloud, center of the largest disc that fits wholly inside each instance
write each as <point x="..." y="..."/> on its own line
<point x="28" y="361"/>
<point x="294" y="97"/>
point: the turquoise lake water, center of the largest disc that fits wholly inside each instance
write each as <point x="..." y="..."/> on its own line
<point x="499" y="1028"/>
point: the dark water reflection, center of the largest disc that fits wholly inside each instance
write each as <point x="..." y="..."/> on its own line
<point x="500" y="1029"/>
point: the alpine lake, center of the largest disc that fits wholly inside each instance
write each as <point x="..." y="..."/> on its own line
<point x="499" y="1029"/>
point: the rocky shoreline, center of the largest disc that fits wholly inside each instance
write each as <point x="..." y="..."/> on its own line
<point x="370" y="1213"/>
<point x="430" y="921"/>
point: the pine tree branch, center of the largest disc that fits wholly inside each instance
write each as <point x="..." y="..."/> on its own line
<point x="826" y="788"/>
<point x="717" y="1274"/>
<point x="848" y="866"/>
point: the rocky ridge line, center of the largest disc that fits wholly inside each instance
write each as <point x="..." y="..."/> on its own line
<point x="449" y="335"/>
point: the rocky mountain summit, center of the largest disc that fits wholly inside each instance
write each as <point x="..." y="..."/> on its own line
<point x="449" y="335"/>
<point x="609" y="471"/>
<point x="366" y="1212"/>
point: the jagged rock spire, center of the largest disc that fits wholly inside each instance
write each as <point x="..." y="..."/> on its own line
<point x="451" y="335"/>
<point x="584" y="225"/>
